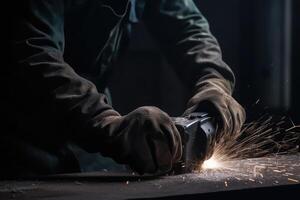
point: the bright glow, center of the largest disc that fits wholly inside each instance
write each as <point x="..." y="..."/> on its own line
<point x="211" y="164"/>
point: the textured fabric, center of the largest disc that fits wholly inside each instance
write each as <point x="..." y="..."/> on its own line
<point x="213" y="95"/>
<point x="197" y="58"/>
<point x="54" y="94"/>
<point x="146" y="139"/>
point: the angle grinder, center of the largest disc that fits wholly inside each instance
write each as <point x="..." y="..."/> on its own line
<point x="198" y="133"/>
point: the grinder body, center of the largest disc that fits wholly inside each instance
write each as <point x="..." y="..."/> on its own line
<point x="198" y="133"/>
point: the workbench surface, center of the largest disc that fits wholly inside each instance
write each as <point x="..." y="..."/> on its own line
<point x="276" y="176"/>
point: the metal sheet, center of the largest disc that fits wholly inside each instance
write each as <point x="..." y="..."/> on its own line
<point x="274" y="175"/>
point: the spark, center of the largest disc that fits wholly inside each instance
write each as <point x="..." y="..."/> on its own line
<point x="211" y="163"/>
<point x="226" y="184"/>
<point x="266" y="137"/>
<point x="293" y="180"/>
<point x="289" y="174"/>
<point x="257" y="101"/>
<point x="260" y="138"/>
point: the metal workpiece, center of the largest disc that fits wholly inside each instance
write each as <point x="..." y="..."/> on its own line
<point x="275" y="176"/>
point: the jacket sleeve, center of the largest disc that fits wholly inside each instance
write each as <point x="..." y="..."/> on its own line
<point x="186" y="40"/>
<point x="184" y="35"/>
<point x="37" y="49"/>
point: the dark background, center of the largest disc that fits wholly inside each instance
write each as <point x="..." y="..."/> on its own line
<point x="259" y="39"/>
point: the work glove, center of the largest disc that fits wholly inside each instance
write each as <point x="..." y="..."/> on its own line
<point x="146" y="139"/>
<point x="213" y="96"/>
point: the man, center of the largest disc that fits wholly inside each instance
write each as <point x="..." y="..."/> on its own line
<point x="58" y="72"/>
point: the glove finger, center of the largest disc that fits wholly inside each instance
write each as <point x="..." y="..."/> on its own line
<point x="238" y="116"/>
<point x="165" y="125"/>
<point x="141" y="159"/>
<point x="177" y="150"/>
<point x="173" y="140"/>
<point x="161" y="154"/>
<point x="165" y="134"/>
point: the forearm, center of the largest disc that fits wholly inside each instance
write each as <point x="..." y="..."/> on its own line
<point x="37" y="49"/>
<point x="184" y="35"/>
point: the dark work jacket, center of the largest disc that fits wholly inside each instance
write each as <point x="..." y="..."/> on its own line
<point x="59" y="55"/>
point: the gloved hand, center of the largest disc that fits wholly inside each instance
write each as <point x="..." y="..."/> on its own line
<point x="146" y="139"/>
<point x="214" y="96"/>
